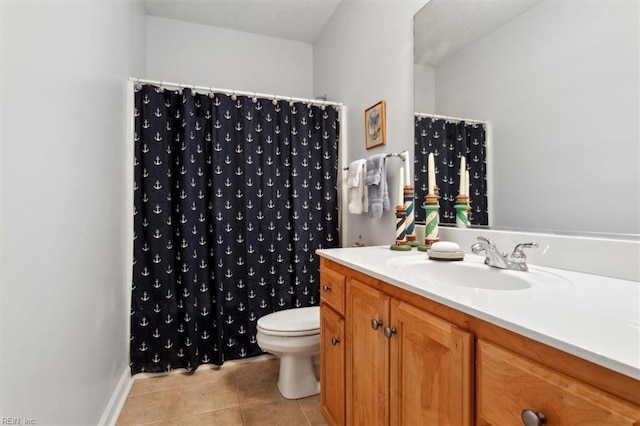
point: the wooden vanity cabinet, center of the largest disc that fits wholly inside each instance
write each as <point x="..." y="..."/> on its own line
<point x="408" y="360"/>
<point x="332" y="347"/>
<point x="404" y="365"/>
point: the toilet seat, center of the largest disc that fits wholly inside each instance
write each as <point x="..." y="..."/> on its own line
<point x="291" y="322"/>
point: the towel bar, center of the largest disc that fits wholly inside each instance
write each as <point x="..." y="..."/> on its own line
<point x="393" y="154"/>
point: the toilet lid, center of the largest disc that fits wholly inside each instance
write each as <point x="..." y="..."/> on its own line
<point x="292" y="322"/>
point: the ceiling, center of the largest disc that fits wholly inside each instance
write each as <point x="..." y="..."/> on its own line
<point x="443" y="27"/>
<point x="297" y="20"/>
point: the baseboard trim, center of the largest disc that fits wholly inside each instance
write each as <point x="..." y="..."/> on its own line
<point x="118" y="398"/>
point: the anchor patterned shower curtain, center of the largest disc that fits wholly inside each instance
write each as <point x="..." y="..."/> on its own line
<point x="233" y="195"/>
<point x="449" y="141"/>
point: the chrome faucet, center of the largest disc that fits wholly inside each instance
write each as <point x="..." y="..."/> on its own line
<point x="516" y="261"/>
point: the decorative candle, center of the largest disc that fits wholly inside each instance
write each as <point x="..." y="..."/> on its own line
<point x="401" y="241"/>
<point x="431" y="173"/>
<point x="432" y="210"/>
<point x="410" y="222"/>
<point x="463" y="168"/>
<point x="462" y="211"/>
<point x="466" y="183"/>
<point x="401" y="186"/>
<point x="407" y="177"/>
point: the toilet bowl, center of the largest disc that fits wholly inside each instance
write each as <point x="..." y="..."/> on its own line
<point x="294" y="336"/>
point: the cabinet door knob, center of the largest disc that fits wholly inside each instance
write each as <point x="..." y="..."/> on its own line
<point x="533" y="418"/>
<point x="375" y="324"/>
<point x="390" y="331"/>
<point x="326" y="288"/>
<point x="335" y="341"/>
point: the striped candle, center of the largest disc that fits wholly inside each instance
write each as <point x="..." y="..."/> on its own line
<point x="432" y="210"/>
<point x="408" y="207"/>
<point x="401" y="216"/>
<point x="462" y="211"/>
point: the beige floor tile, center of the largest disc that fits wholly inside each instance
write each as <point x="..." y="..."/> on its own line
<point x="208" y="374"/>
<point x="310" y="402"/>
<point x="274" y="413"/>
<point x="173" y="422"/>
<point x="161" y="406"/>
<point x="132" y="413"/>
<point x="258" y="367"/>
<point x="225" y="417"/>
<point x="311" y="408"/>
<point x="157" y="383"/>
<point x="259" y="387"/>
<point x="209" y="396"/>
<point x="243" y="393"/>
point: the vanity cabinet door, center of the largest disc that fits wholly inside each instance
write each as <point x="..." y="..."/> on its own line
<point x="332" y="367"/>
<point x="367" y="355"/>
<point x="508" y="384"/>
<point x="431" y="369"/>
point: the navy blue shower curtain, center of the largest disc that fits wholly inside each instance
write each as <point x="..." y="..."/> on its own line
<point x="233" y="195"/>
<point x="449" y="142"/>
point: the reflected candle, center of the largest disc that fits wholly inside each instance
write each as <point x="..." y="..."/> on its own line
<point x="463" y="176"/>
<point x="431" y="174"/>
<point x="466" y="183"/>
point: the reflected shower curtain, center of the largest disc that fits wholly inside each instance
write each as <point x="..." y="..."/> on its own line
<point x="449" y="141"/>
<point x="233" y="195"/>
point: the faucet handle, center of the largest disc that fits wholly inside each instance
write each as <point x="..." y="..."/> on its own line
<point x="486" y="240"/>
<point x="518" y="251"/>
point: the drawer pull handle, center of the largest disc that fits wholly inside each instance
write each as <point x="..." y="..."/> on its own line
<point x="326" y="288"/>
<point x="375" y="324"/>
<point x="335" y="341"/>
<point x="533" y="418"/>
<point x="390" y="331"/>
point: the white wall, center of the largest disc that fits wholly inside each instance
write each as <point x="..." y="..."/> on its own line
<point x="365" y="54"/>
<point x="194" y="54"/>
<point x="577" y="168"/>
<point x="424" y="90"/>
<point x="64" y="289"/>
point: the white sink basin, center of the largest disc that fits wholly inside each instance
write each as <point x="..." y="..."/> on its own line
<point x="471" y="274"/>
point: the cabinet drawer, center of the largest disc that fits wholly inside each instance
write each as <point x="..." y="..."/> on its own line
<point x="332" y="289"/>
<point x="508" y="383"/>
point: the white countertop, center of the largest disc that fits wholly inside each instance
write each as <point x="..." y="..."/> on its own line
<point x="593" y="317"/>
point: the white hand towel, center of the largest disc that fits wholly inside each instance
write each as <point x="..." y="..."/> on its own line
<point x="353" y="173"/>
<point x="357" y="195"/>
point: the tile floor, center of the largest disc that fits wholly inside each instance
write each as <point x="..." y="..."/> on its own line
<point x="235" y="394"/>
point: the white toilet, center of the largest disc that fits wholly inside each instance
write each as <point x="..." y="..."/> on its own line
<point x="294" y="336"/>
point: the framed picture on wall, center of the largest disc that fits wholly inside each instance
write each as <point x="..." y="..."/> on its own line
<point x="375" y="126"/>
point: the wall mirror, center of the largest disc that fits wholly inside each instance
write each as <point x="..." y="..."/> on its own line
<point x="558" y="85"/>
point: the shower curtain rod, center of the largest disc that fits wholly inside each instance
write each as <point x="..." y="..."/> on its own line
<point x="233" y="92"/>
<point x="445" y="117"/>
<point x="401" y="155"/>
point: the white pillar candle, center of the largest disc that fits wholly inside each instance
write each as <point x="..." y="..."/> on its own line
<point x="431" y="174"/>
<point x="466" y="183"/>
<point x="407" y="171"/>
<point x="401" y="177"/>
<point x="463" y="169"/>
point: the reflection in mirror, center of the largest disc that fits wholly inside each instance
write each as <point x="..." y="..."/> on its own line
<point x="450" y="141"/>
<point x="558" y="82"/>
